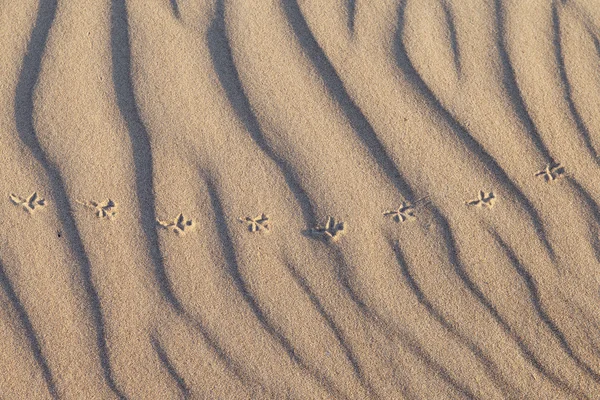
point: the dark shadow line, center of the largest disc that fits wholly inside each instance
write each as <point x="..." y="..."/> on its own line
<point x="30" y="333"/>
<point x="175" y="9"/>
<point x="415" y="348"/>
<point x="500" y="382"/>
<point x="224" y="64"/>
<point x="389" y="331"/>
<point x="367" y="134"/>
<point x="405" y="64"/>
<point x="233" y="366"/>
<point x="27" y="81"/>
<point x="587" y="197"/>
<point x="436" y="367"/>
<point x="347" y="350"/>
<point x="452" y="252"/>
<point x="166" y="362"/>
<point x="336" y="89"/>
<point x="143" y="164"/>
<point x="591" y="319"/>
<point x="343" y="273"/>
<point x="351" y="5"/>
<point x="595" y="242"/>
<point x="410" y="72"/>
<point x="233" y="270"/>
<point x="140" y="143"/>
<point x="539" y="308"/>
<point x="595" y="40"/>
<point x="594" y="208"/>
<point x="453" y="36"/>
<point x="568" y="92"/>
<point x="513" y="90"/>
<point x="359" y="123"/>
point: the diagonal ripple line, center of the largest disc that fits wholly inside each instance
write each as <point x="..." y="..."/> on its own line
<point x="143" y="164"/>
<point x="568" y="92"/>
<point x="337" y="332"/>
<point x="449" y="15"/>
<point x="512" y="87"/>
<point x="359" y="122"/>
<point x="233" y="270"/>
<point x="224" y="64"/>
<point x="367" y="134"/>
<point x="175" y="9"/>
<point x="390" y="331"/>
<point x="462" y="274"/>
<point x="336" y="88"/>
<point x="168" y="364"/>
<point x="351" y="7"/>
<point x="27" y="81"/>
<point x="538" y="306"/>
<point x="489" y="365"/>
<point x="140" y="143"/>
<point x="406" y="66"/>
<point x="594" y="208"/>
<point x="30" y="333"/>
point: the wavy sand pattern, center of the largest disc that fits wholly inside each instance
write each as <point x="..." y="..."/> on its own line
<point x="223" y="199"/>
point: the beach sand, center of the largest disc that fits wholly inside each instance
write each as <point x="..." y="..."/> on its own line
<point x="299" y="199"/>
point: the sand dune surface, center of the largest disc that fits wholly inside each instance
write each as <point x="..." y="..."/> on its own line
<point x="350" y="199"/>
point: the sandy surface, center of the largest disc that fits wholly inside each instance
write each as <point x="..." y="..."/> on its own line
<point x="303" y="199"/>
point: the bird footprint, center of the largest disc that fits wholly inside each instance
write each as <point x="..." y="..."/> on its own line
<point x="30" y="203"/>
<point x="551" y="172"/>
<point x="403" y="213"/>
<point x="258" y="223"/>
<point x="331" y="231"/>
<point x="106" y="209"/>
<point x="179" y="225"/>
<point x="484" y="200"/>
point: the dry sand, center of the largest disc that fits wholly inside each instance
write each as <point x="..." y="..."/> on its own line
<point x="453" y="143"/>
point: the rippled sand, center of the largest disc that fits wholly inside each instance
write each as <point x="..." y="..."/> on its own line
<point x="347" y="199"/>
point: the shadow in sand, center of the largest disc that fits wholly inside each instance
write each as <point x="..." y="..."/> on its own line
<point x="240" y="284"/>
<point x="539" y="308"/>
<point x="351" y="14"/>
<point x="140" y="143"/>
<point x="512" y="88"/>
<point x="175" y="8"/>
<point x="166" y="362"/>
<point x="410" y="73"/>
<point x="347" y="350"/>
<point x="453" y="38"/>
<point x="224" y="64"/>
<point x="502" y="384"/>
<point x="26" y="83"/>
<point x="462" y="274"/>
<point x="336" y="88"/>
<point x="30" y="333"/>
<point x="568" y="92"/>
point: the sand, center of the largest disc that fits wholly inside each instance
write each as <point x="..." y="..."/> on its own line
<point x="298" y="199"/>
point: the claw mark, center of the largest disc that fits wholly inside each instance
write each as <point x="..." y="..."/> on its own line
<point x="406" y="210"/>
<point x="483" y="200"/>
<point x="258" y="223"/>
<point x="105" y="209"/>
<point x="331" y="231"/>
<point x="403" y="213"/>
<point x="179" y="224"/>
<point x="30" y="203"/>
<point x="551" y="172"/>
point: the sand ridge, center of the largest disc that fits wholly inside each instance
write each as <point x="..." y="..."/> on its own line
<point x="221" y="199"/>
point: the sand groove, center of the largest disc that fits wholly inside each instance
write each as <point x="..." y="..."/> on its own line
<point x="427" y="174"/>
